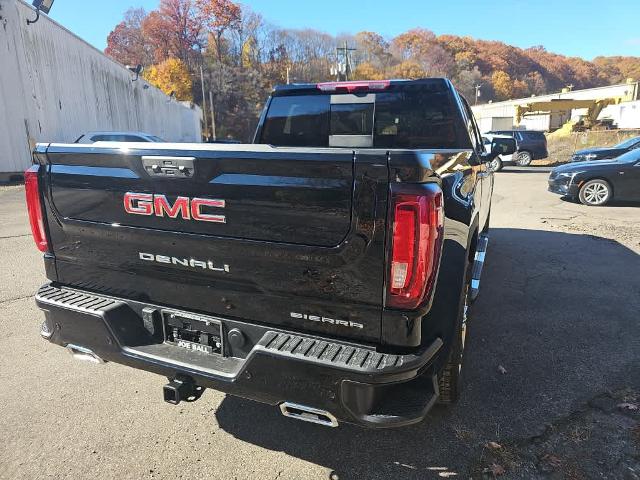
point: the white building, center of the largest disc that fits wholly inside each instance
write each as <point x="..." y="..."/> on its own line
<point x="54" y="86"/>
<point x="501" y="115"/>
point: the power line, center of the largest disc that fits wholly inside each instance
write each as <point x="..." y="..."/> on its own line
<point x="343" y="67"/>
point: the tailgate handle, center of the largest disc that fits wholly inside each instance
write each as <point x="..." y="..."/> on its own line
<point x="176" y="167"/>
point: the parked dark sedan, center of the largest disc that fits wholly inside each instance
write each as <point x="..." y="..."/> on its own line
<point x="596" y="183"/>
<point x="606" y="153"/>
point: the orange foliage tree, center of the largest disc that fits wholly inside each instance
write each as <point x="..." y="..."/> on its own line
<point x="367" y="71"/>
<point x="502" y="84"/>
<point x="126" y="42"/>
<point x="172" y="77"/>
<point x="409" y="69"/>
<point x="219" y="15"/>
<point x="174" y="30"/>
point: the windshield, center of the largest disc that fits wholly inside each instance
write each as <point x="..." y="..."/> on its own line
<point x="628" y="143"/>
<point x="629" y="157"/>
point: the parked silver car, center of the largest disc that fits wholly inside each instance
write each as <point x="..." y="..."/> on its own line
<point x="92" y="137"/>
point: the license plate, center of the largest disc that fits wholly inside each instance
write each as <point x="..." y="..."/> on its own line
<point x="196" y="333"/>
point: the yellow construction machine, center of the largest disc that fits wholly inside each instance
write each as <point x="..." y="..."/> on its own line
<point x="594" y="107"/>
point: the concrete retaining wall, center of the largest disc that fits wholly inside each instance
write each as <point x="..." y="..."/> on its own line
<point x="54" y="86"/>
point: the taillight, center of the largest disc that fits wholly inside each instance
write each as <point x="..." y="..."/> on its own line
<point x="34" y="207"/>
<point x="416" y="242"/>
<point x="351" y="87"/>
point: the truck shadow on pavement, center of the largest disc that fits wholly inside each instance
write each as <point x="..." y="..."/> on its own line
<point x="555" y="327"/>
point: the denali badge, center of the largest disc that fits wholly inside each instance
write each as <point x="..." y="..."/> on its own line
<point x="185" y="262"/>
<point x="332" y="321"/>
<point x="184" y="207"/>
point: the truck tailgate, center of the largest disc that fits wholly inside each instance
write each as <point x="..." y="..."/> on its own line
<point x="283" y="236"/>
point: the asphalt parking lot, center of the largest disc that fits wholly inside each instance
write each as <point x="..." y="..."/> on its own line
<point x="552" y="374"/>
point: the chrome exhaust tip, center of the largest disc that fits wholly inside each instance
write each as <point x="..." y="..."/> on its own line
<point x="308" y="414"/>
<point x="45" y="331"/>
<point x="83" y="353"/>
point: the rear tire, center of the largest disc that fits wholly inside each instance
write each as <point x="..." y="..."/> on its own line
<point x="450" y="378"/>
<point x="523" y="159"/>
<point x="595" y="193"/>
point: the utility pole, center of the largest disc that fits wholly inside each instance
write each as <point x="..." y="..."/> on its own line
<point x="343" y="69"/>
<point x="204" y="103"/>
<point x="213" y="118"/>
<point x="288" y="69"/>
<point x="477" y="87"/>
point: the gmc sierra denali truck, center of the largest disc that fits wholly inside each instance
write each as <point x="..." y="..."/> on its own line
<point x="325" y="269"/>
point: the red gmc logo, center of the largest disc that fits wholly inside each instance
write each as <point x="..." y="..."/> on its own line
<point x="184" y="207"/>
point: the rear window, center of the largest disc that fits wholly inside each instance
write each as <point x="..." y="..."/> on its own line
<point x="411" y="116"/>
<point x="351" y="119"/>
<point x="414" y="117"/>
<point x="297" y="121"/>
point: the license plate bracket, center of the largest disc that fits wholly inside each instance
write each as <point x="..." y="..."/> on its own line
<point x="197" y="333"/>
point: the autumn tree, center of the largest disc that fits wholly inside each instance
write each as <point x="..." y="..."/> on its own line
<point x="620" y="67"/>
<point x="247" y="38"/>
<point x="374" y="49"/>
<point x="519" y="88"/>
<point x="466" y="81"/>
<point x="536" y="84"/>
<point x="311" y="54"/>
<point x="172" y="77"/>
<point x="366" y="71"/>
<point x="501" y="82"/>
<point x="409" y="69"/>
<point x="421" y="46"/>
<point x="219" y="16"/>
<point x="463" y="49"/>
<point x="176" y="30"/>
<point x="413" y="44"/>
<point x="126" y="42"/>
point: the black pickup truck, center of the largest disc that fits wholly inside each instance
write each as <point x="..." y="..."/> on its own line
<point x="325" y="269"/>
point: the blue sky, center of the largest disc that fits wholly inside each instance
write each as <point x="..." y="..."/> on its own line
<point x="584" y="28"/>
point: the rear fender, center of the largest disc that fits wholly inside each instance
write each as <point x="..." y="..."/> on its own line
<point x="442" y="319"/>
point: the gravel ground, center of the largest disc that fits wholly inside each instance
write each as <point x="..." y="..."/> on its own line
<point x="552" y="374"/>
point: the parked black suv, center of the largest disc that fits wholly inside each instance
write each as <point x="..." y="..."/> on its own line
<point x="530" y="145"/>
